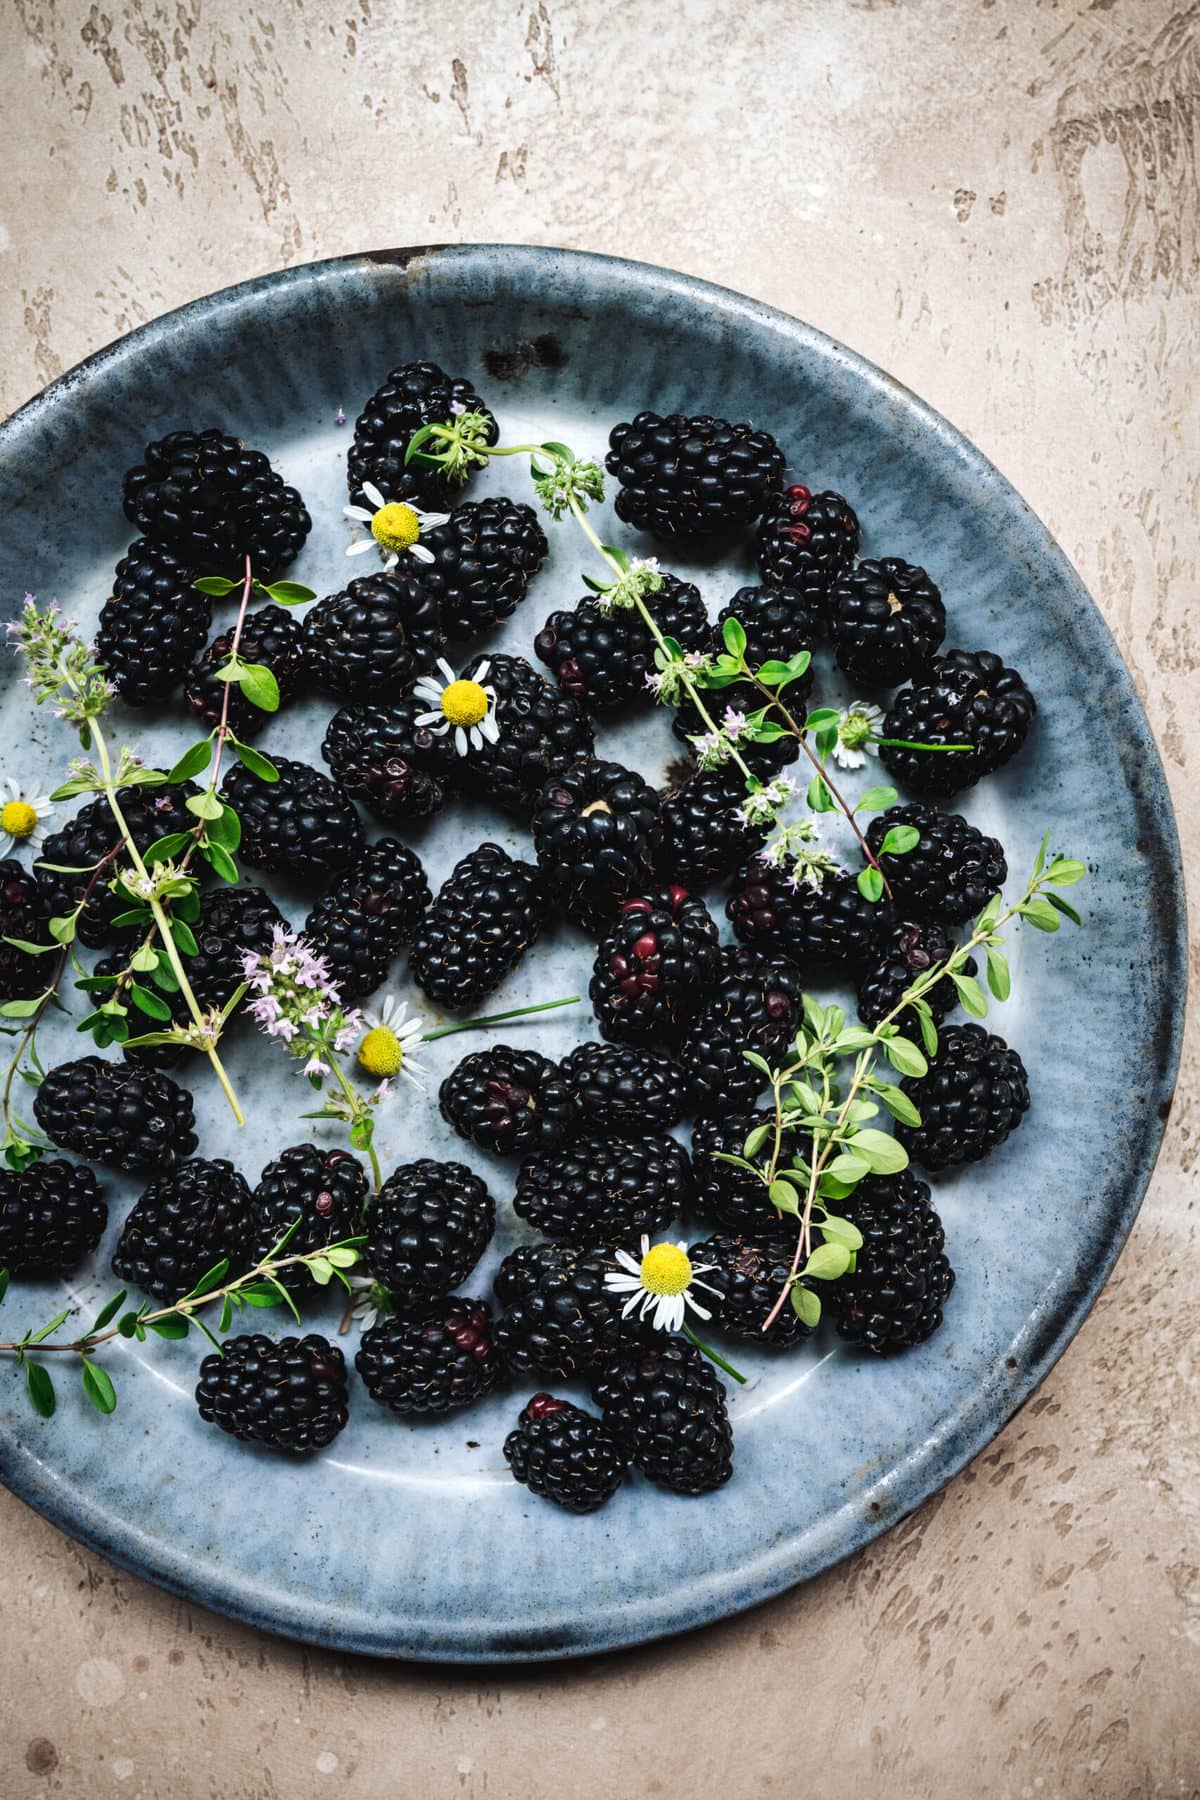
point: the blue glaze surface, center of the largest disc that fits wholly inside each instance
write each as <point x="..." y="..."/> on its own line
<point x="413" y="1540"/>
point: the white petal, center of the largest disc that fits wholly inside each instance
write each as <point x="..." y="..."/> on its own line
<point x="421" y="553"/>
<point x="622" y="1284"/>
<point x="489" y="727"/>
<point x="373" y="495"/>
<point x="357" y="512"/>
<point x="701" y="1312"/>
<point x="645" y="1244"/>
<point x="629" y="1306"/>
<point x="475" y="739"/>
<point x="460" y="740"/>
<point x="480" y="674"/>
<point x="431" y="521"/>
<point x="359" y="545"/>
<point x="628" y="1262"/>
<point x="389" y="562"/>
<point x="447" y="671"/>
<point x="430" y="718"/>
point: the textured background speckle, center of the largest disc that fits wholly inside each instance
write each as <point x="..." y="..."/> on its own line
<point x="996" y="201"/>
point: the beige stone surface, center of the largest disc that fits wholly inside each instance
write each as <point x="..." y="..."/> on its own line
<point x="995" y="199"/>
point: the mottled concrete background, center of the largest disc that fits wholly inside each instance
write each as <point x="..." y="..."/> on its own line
<point x="995" y="199"/>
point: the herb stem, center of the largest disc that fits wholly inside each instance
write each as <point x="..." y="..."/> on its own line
<point x="707" y="1350"/>
<point x="501" y="1018"/>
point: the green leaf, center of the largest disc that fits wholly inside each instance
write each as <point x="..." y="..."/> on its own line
<point x="174" y="1325"/>
<point x="757" y="1062"/>
<point x="19" y="1009"/>
<point x="107" y="1312"/>
<point x="165" y="977"/>
<point x="341" y="1256"/>
<point x="775" y="673"/>
<point x="63" y="930"/>
<point x="856" y="1038"/>
<point x="805" y="1304"/>
<point x="259" y="1293"/>
<point x="990" y="913"/>
<point x="876" y="799"/>
<point x="897" y="1103"/>
<point x="1065" y="908"/>
<point x="841" y="1231"/>
<point x="784" y="1197"/>
<point x="847" y="1167"/>
<point x="756" y="1139"/>
<point x="827" y="1262"/>
<point x="36" y="1337"/>
<point x="290" y="593"/>
<point x="870" y="884"/>
<point x="1041" y="914"/>
<point x="127" y="1324"/>
<point x="733" y="636"/>
<point x="226" y="1319"/>
<point x="260" y="687"/>
<point x="824" y="715"/>
<point x="321" y="1270"/>
<point x="28" y="949"/>
<point x="226" y="829"/>
<point x="971" y="996"/>
<point x="144" y="960"/>
<point x="216" y="585"/>
<point x="4" y="1278"/>
<point x="41" y="1388"/>
<point x="220" y="861"/>
<point x="149" y="1003"/>
<point x="205" y="805"/>
<point x="192" y="761"/>
<point x="998" y="974"/>
<point x="735" y="1162"/>
<point x="1064" y="871"/>
<point x="806" y="1097"/>
<point x="97" y="1385"/>
<point x="818" y="797"/>
<point x="903" y="1054"/>
<point x="1039" y="861"/>
<point x="184" y="937"/>
<point x="213" y="1279"/>
<point x="163" y="849"/>
<point x="899" y="840"/>
<point x="256" y="762"/>
<point x="884" y="1153"/>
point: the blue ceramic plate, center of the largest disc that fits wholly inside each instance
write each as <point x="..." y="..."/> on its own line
<point x="414" y="1541"/>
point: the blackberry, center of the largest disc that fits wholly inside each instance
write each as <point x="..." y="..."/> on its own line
<point x="373" y="637"/>
<point x="625" y="1090"/>
<point x="271" y="637"/>
<point x="756" y="1006"/>
<point x="596" y="830"/>
<point x="414" y="394"/>
<point x="888" y="620"/>
<point x="301" y="825"/>
<point x="427" y="1227"/>
<point x="652" y="970"/>
<point x="509" y="1101"/>
<point x="704" y="837"/>
<point x="439" y="1356"/>
<point x="559" y="1319"/>
<point x="691" y="477"/>
<point x="563" y="1454"/>
<point x="154" y="624"/>
<point x="368" y="913"/>
<point x="604" y="1191"/>
<point x="150" y="1056"/>
<point x="964" y="697"/>
<point x="602" y="658"/>
<point x="951" y="872"/>
<point x="232" y="921"/>
<point x="832" y="926"/>
<point x="51" y="1217"/>
<point x="186" y="1221"/>
<point x="215" y="501"/>
<point x="24" y="914"/>
<point x="290" y="1395"/>
<point x="151" y="813"/>
<point x="667" y="1408"/>
<point x="749" y="1274"/>
<point x="484" y="557"/>
<point x="487" y="914"/>
<point x="541" y="732"/>
<point x="893" y="1298"/>
<point x="399" y="770"/>
<point x="325" y="1189"/>
<point x="134" y="1120"/>
<point x="732" y="1198"/>
<point x="975" y="1093"/>
<point x="805" y="541"/>
<point x="778" y="622"/>
<point x="908" y="952"/>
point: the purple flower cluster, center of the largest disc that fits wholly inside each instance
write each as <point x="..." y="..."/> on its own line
<point x="296" y="1000"/>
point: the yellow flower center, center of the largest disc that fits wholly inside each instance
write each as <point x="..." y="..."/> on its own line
<point x="666" y="1269"/>
<point x="381" y="1052"/>
<point x="395" y="526"/>
<point x="464" y="703"/>
<point x="18" y="818"/>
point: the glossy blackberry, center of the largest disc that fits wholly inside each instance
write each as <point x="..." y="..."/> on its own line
<point x="911" y="949"/>
<point x="975" y="1093"/>
<point x="23" y="914"/>
<point x="399" y="770"/>
<point x="216" y="501"/>
<point x="287" y="1395"/>
<point x="564" y="1454"/>
<point x="325" y="1189"/>
<point x="374" y="637"/>
<point x="301" y="825"/>
<point x="893" y="1299"/>
<point x="273" y="638"/>
<point x="484" y="557"/>
<point x="487" y="914"/>
<point x="704" y="837"/>
<point x="151" y="813"/>
<point x="625" y="1090"/>
<point x="805" y="541"/>
<point x="132" y="1119"/>
<point x="541" y="732"/>
<point x="731" y="1198"/>
<point x="887" y="620"/>
<point x="778" y="622"/>
<point x="691" y="477"/>
<point x="154" y="624"/>
<point x="602" y="658"/>
<point x="604" y="1191"/>
<point x="652" y="970"/>
<point x="437" y="1357"/>
<point x="414" y="394"/>
<point x="755" y="1006"/>
<point x="829" y="927"/>
<point x="559" y="1320"/>
<point x="186" y="1221"/>
<point x="749" y="1273"/>
<point x="596" y="830"/>
<point x="667" y="1408"/>
<point x="151" y="1056"/>
<point x="232" y="921"/>
<point x="952" y="871"/>
<point x="427" y="1227"/>
<point x="509" y="1101"/>
<point x="51" y="1217"/>
<point x="964" y="697"/>
<point x="366" y="916"/>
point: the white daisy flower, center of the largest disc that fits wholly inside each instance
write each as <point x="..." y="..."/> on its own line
<point x="466" y="703"/>
<point x="23" y="817"/>
<point x="389" y="1044"/>
<point x="857" y="728"/>
<point x="393" y="525"/>
<point x="659" y="1284"/>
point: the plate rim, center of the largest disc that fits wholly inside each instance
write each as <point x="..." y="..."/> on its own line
<point x="976" y="1423"/>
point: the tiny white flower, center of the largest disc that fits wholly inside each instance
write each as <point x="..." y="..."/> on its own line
<point x="394" y="525"/>
<point x="857" y="727"/>
<point x="370" y="1302"/>
<point x="390" y="1043"/>
<point x="23" y="817"/>
<point x="465" y="704"/>
<point x="659" y="1284"/>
